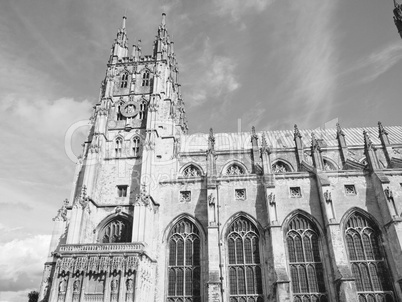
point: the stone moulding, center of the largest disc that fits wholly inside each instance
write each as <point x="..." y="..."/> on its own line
<point x="101" y="248"/>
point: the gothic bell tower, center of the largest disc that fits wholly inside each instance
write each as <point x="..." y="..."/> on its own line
<point x="103" y="243"/>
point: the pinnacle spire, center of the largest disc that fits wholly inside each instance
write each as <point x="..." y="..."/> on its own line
<point x="120" y="45"/>
<point x="296" y="132"/>
<point x="381" y="129"/>
<point x="163" y="22"/>
<point x="339" y="130"/>
<point x="123" y="25"/>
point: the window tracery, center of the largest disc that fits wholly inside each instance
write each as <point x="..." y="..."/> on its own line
<point x="234" y="170"/>
<point x="117" y="230"/>
<point x="244" y="269"/>
<point x="368" y="266"/>
<point x="306" y="268"/>
<point x="184" y="263"/>
<point x="280" y="167"/>
<point x="191" y="171"/>
<point x="328" y="166"/>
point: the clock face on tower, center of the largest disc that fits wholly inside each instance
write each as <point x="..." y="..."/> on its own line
<point x="130" y="109"/>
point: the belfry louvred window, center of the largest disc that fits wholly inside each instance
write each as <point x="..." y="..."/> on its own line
<point x="146" y="81"/>
<point x="245" y="277"/>
<point x="184" y="263"/>
<point x="306" y="268"/>
<point x="124" y="80"/>
<point x="143" y="106"/>
<point x="136" y="146"/>
<point x="117" y="230"/>
<point x="365" y="255"/>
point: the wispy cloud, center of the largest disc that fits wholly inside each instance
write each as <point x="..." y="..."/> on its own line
<point x="217" y="76"/>
<point x="21" y="262"/>
<point x="236" y="8"/>
<point x="310" y="83"/>
<point x="378" y="62"/>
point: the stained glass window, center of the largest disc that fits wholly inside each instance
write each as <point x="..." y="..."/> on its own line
<point x="365" y="255"/>
<point x="244" y="268"/>
<point x="306" y="268"/>
<point x="184" y="263"/>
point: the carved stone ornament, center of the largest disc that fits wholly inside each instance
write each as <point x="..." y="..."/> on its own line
<point x="114" y="285"/>
<point x="388" y="193"/>
<point x="129" y="285"/>
<point x="129" y="109"/>
<point x="143" y="198"/>
<point x="211" y="200"/>
<point x="62" y="212"/>
<point x="327" y="196"/>
<point x="77" y="286"/>
<point x="271" y="199"/>
<point x="63" y="285"/>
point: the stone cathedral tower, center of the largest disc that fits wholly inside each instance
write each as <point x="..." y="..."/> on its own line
<point x="156" y="214"/>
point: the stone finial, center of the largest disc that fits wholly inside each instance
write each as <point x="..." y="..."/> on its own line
<point x="211" y="140"/>
<point x="296" y="132"/>
<point x="62" y="212"/>
<point x="253" y="134"/>
<point x="339" y="130"/>
<point x="264" y="145"/>
<point x="163" y="22"/>
<point x="123" y="25"/>
<point x="381" y="129"/>
<point x="314" y="142"/>
<point x="367" y="141"/>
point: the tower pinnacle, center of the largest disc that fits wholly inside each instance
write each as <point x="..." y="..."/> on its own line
<point x="120" y="45"/>
<point x="123" y="25"/>
<point x="163" y="19"/>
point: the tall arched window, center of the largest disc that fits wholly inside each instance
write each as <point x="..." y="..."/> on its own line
<point x="306" y="269"/>
<point x="184" y="263"/>
<point x="365" y="255"/>
<point x="118" y="146"/>
<point x="117" y="230"/>
<point x="245" y="277"/>
<point x="136" y="146"/>
<point x="124" y="80"/>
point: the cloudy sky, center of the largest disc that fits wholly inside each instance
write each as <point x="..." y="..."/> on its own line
<point x="269" y="63"/>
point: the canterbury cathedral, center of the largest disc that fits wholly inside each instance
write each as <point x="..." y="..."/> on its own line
<point x="157" y="214"/>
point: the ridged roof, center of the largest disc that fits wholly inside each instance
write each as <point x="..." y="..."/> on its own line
<point x="284" y="138"/>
